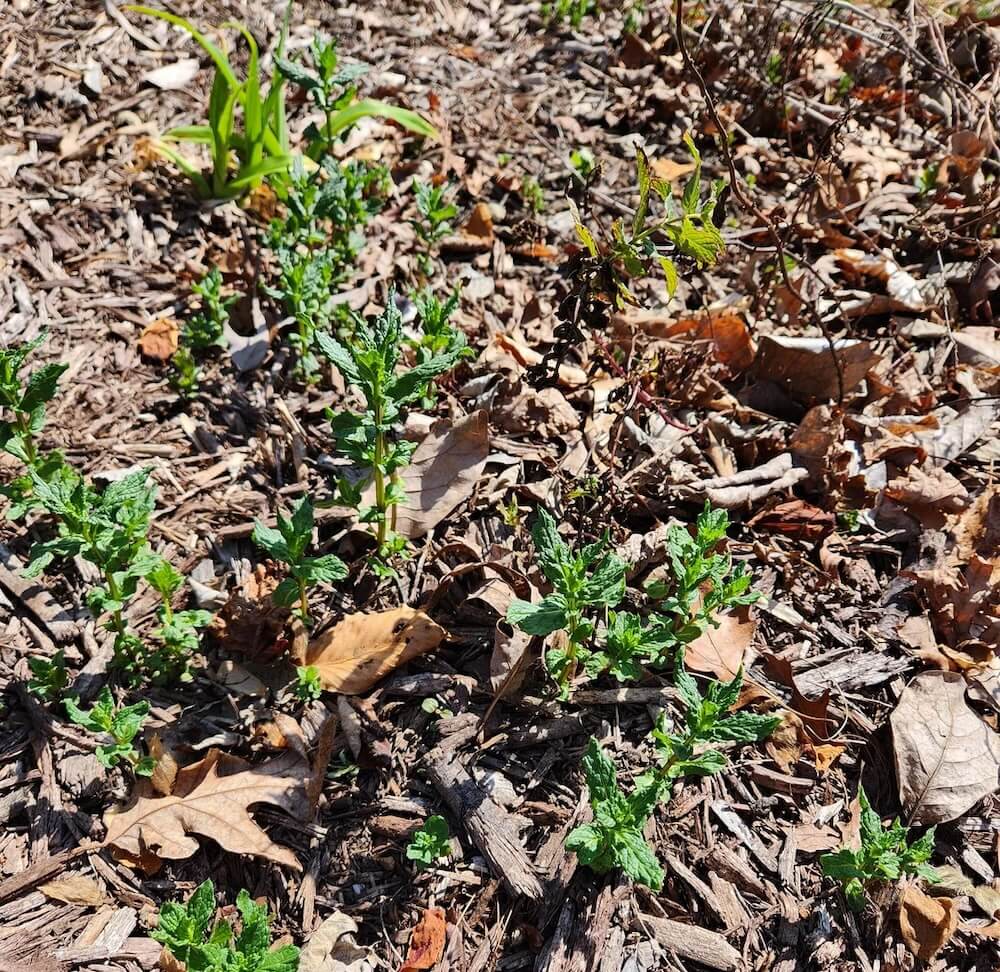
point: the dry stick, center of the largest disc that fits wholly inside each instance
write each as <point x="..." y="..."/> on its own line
<point x="743" y="199"/>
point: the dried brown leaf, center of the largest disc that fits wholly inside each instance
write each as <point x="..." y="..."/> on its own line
<point x="927" y="924"/>
<point x="159" y="339"/>
<point x="426" y="942"/>
<point x="721" y="650"/>
<point x="353" y="655"/>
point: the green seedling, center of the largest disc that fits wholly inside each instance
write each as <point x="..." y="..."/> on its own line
<point x="121" y="724"/>
<point x="511" y="513"/>
<point x="288" y="544"/>
<point x="205" y="329"/>
<point x="435" y="213"/>
<point x="25" y="401"/>
<point x="178" y="630"/>
<point x="632" y="251"/>
<point x="532" y="195"/>
<point x="583" y="583"/>
<point x="885" y="855"/>
<point x="704" y="583"/>
<point x="434" y="708"/>
<point x="437" y="336"/>
<point x="49" y="678"/>
<point x="308" y="686"/>
<point x="572" y="10"/>
<point x="368" y="361"/>
<point x="332" y="90"/>
<point x="260" y="149"/>
<point x="193" y="937"/>
<point x="582" y="160"/>
<point x="110" y="530"/>
<point x="615" y="838"/>
<point x="316" y="244"/>
<point x="430" y="843"/>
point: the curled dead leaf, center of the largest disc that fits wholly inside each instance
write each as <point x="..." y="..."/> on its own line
<point x="926" y="924"/>
<point x="427" y="941"/>
<point x="353" y="655"/>
<point x="159" y="339"/>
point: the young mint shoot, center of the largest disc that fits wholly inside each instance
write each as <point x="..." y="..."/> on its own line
<point x="584" y="583"/>
<point x="368" y="360"/>
<point x="121" y="724"/>
<point x="48" y="677"/>
<point x="884" y="855"/>
<point x="288" y="544"/>
<point x="430" y="843"/>
<point x="192" y="936"/>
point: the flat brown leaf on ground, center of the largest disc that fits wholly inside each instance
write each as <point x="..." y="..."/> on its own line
<point x="212" y="798"/>
<point x="426" y="942"/>
<point x="926" y="924"/>
<point x="947" y="758"/>
<point x="720" y="651"/>
<point x="332" y="948"/>
<point x="445" y="470"/>
<point x="354" y="654"/>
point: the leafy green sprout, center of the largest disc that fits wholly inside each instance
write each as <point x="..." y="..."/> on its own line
<point x="430" y="843"/>
<point x="368" y="361"/>
<point x="885" y="855"/>
<point x="122" y="724"/>
<point x="433" y="222"/>
<point x="308" y="687"/>
<point x="582" y="161"/>
<point x="584" y="582"/>
<point x="687" y="230"/>
<point x="25" y="402"/>
<point x="614" y="839"/>
<point x="288" y="544"/>
<point x="433" y="707"/>
<point x="532" y="195"/>
<point x="49" y="677"/>
<point x="437" y="336"/>
<point x="205" y="329"/>
<point x="192" y="936"/>
<point x="574" y="11"/>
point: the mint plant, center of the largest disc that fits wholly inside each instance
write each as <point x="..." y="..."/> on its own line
<point x="572" y="10"/>
<point x="437" y="336"/>
<point x="368" y="360"/>
<point x="288" y="544"/>
<point x="121" y="724"/>
<point x="614" y="838"/>
<point x="435" y="213"/>
<point x="48" y="677"/>
<point x="205" y="329"/>
<point x="178" y="630"/>
<point x="704" y="582"/>
<point x="583" y="583"/>
<point x="24" y="401"/>
<point x="192" y="936"/>
<point x="308" y="686"/>
<point x="885" y="855"/>
<point x="110" y="530"/>
<point x="430" y="843"/>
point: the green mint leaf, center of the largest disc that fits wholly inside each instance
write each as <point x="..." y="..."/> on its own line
<point x="743" y="727"/>
<point x="538" y="619"/>
<point x="271" y="542"/>
<point x="637" y="859"/>
<point x="553" y="554"/>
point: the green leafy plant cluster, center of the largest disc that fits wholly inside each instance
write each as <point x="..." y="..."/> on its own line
<point x="702" y="583"/>
<point x="437" y="336"/>
<point x="49" y="678"/>
<point x="884" y="855"/>
<point x="368" y="360"/>
<point x="686" y="230"/>
<point x="110" y="530"/>
<point x="433" y="222"/>
<point x="288" y="544"/>
<point x="430" y="843"/>
<point x="204" y="330"/>
<point x="192" y="936"/>
<point x="316" y="243"/>
<point x="614" y="839"/>
<point x="24" y="401"/>
<point x="573" y="11"/>
<point x="121" y="723"/>
<point x="241" y="156"/>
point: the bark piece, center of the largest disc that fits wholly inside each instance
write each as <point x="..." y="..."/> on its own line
<point x="489" y="826"/>
<point x="700" y="945"/>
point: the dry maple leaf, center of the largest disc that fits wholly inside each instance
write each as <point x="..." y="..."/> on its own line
<point x="354" y="654"/>
<point x="212" y="798"/>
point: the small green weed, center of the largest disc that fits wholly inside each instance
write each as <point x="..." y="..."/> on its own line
<point x="121" y="724"/>
<point x="430" y="843"/>
<point x="532" y="195"/>
<point x="288" y="544"/>
<point x="192" y="936"/>
<point x="885" y="855"/>
<point x="49" y="679"/>
<point x="572" y="10"/>
<point x="308" y="686"/>
<point x="433" y="222"/>
<point x="205" y="329"/>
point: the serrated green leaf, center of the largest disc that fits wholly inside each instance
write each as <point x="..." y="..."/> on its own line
<point x="538" y="619"/>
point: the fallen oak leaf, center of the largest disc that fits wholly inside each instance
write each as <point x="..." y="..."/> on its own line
<point x="720" y="651"/>
<point x="354" y="654"/>
<point x="947" y="758"/>
<point x="426" y="942"/>
<point x="332" y="948"/>
<point x="212" y="798"/>
<point x="925" y="923"/>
